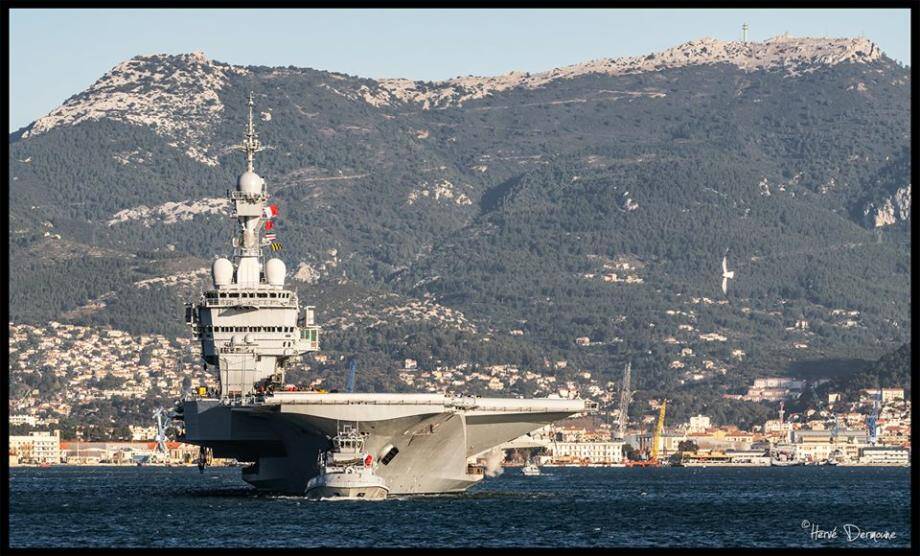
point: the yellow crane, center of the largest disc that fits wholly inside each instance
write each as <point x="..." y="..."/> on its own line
<point x="652" y="461"/>
<point x="658" y="428"/>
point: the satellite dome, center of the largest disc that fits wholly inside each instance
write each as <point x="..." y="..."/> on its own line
<point x="235" y="340"/>
<point x="249" y="183"/>
<point x="275" y="271"/>
<point x="222" y="272"/>
<point x="247" y="339"/>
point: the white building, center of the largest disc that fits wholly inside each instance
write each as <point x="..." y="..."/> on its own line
<point x="143" y="433"/>
<point x="587" y="452"/>
<point x="884" y="455"/>
<point x="817" y="446"/>
<point x="37" y="447"/>
<point x="699" y="423"/>
<point x="888" y="394"/>
<point x="779" y="382"/>
<point x="30" y="420"/>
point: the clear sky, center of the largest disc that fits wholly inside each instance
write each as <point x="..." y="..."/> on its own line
<point x="57" y="53"/>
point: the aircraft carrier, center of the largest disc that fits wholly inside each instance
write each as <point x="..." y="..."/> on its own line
<point x="250" y="327"/>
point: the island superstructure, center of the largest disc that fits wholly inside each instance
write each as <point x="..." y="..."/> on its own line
<point x="250" y="327"/>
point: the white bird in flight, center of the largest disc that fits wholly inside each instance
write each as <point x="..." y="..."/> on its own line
<point x="726" y="274"/>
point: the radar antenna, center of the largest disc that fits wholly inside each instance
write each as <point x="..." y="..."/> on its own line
<point x="251" y="143"/>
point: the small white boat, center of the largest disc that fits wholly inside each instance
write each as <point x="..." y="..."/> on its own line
<point x="780" y="462"/>
<point x="531" y="469"/>
<point x="347" y="471"/>
<point x="784" y="460"/>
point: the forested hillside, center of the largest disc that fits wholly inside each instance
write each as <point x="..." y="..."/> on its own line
<point x="592" y="201"/>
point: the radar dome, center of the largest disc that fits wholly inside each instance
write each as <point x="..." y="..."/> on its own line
<point x="275" y="271"/>
<point x="222" y="272"/>
<point x="249" y="183"/>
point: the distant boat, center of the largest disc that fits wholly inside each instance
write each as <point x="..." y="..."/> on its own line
<point x="531" y="469"/>
<point x="775" y="462"/>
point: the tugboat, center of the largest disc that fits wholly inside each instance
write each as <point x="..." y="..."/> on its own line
<point x="531" y="469"/>
<point x="781" y="459"/>
<point x="347" y="471"/>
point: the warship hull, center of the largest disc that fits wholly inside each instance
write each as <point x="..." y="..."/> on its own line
<point x="424" y="442"/>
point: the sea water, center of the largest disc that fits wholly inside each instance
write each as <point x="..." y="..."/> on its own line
<point x="564" y="507"/>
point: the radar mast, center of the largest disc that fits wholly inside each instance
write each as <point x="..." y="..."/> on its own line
<point x="251" y="142"/>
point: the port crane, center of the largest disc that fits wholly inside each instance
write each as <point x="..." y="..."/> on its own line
<point x="652" y="461"/>
<point x="161" y="453"/>
<point x="625" y="398"/>
<point x="659" y="427"/>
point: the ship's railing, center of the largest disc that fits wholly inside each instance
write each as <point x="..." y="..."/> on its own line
<point x="235" y="195"/>
<point x="249" y="302"/>
<point x="349" y="402"/>
<point x="235" y="349"/>
<point x="468" y="404"/>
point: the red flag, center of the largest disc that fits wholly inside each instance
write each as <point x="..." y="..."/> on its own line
<point x="270" y="211"/>
<point x="269" y="225"/>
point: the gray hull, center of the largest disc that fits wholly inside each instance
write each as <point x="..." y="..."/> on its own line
<point x="429" y="437"/>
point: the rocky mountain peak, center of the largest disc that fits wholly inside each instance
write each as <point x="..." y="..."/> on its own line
<point x="177" y="95"/>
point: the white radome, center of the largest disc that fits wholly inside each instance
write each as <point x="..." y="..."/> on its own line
<point x="249" y="183"/>
<point x="222" y="272"/>
<point x="275" y="271"/>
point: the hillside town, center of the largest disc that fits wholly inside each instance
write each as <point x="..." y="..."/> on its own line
<point x="57" y="368"/>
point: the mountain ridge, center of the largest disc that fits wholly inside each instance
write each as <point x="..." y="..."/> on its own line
<point x="785" y="52"/>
